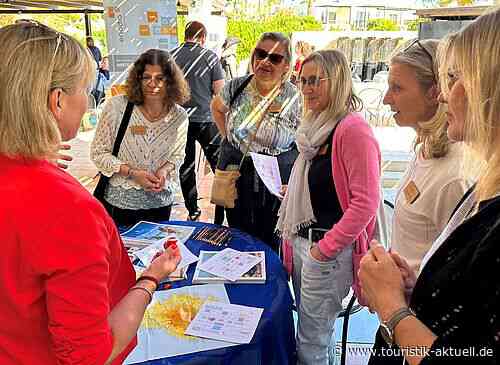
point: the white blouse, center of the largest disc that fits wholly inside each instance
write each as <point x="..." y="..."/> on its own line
<point x="158" y="142"/>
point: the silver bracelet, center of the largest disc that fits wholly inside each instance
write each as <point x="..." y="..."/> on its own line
<point x="146" y="290"/>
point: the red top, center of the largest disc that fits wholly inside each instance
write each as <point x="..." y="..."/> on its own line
<point x="63" y="267"/>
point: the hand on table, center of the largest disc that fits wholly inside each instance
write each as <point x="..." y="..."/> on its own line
<point x="164" y="263"/>
<point x="382" y="282"/>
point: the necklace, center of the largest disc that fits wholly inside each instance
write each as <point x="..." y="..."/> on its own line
<point x="151" y="117"/>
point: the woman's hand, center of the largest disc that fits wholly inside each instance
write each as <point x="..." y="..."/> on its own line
<point x="165" y="263"/>
<point x="409" y="277"/>
<point x="163" y="173"/>
<point x="62" y="156"/>
<point x="145" y="179"/>
<point x="316" y="253"/>
<point x="382" y="282"/>
<point x="283" y="190"/>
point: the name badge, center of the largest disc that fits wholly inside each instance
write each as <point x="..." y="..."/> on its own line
<point x="275" y="107"/>
<point x="411" y="192"/>
<point x="138" y="130"/>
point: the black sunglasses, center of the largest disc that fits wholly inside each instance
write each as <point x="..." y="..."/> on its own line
<point x="274" y="58"/>
<point x="417" y="42"/>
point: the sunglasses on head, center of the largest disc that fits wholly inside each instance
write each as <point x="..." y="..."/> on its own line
<point x="312" y="81"/>
<point x="274" y="58"/>
<point x="417" y="42"/>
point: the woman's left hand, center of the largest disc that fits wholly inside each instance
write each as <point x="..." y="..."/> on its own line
<point x="62" y="156"/>
<point x="382" y="282"/>
<point x="163" y="173"/>
<point x="316" y="253"/>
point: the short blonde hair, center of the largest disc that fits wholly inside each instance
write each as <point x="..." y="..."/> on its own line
<point x="474" y="55"/>
<point x="36" y="60"/>
<point x="342" y="99"/>
<point x="421" y="57"/>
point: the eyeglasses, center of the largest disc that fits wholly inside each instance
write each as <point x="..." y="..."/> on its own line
<point x="312" y="81"/>
<point x="157" y="80"/>
<point x="274" y="58"/>
<point x="417" y="42"/>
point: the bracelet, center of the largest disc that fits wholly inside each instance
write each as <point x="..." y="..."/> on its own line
<point x="150" y="278"/>
<point x="146" y="290"/>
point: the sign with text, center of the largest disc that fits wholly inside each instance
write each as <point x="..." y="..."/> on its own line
<point x="133" y="27"/>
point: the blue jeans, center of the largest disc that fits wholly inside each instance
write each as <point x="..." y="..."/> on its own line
<point x="319" y="290"/>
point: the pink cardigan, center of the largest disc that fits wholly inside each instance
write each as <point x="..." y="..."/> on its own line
<point x="356" y="175"/>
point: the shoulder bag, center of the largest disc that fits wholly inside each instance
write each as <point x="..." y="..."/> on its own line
<point x="100" y="189"/>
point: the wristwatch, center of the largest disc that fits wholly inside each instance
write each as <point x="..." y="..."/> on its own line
<point x="387" y="327"/>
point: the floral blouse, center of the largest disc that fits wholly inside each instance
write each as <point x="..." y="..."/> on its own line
<point x="276" y="133"/>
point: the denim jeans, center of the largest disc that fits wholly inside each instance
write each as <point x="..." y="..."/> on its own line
<point x="319" y="290"/>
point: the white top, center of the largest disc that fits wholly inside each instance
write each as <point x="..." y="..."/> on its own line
<point x="163" y="141"/>
<point x="416" y="225"/>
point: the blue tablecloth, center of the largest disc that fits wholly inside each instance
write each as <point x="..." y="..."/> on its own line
<point x="274" y="339"/>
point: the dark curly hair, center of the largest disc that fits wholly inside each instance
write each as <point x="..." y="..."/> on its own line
<point x="177" y="89"/>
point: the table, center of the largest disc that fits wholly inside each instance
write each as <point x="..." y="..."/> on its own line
<point x="274" y="339"/>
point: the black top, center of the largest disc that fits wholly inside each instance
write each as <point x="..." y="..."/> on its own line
<point x="201" y="68"/>
<point x="324" y="200"/>
<point x="457" y="294"/>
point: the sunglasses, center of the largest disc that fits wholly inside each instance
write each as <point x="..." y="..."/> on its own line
<point x="274" y="58"/>
<point x="312" y="81"/>
<point x="417" y="42"/>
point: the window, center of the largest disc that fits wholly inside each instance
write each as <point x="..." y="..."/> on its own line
<point x="332" y="16"/>
<point x="394" y="18"/>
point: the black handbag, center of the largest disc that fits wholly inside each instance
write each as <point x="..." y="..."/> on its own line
<point x="100" y="188"/>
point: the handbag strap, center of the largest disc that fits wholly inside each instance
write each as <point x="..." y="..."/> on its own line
<point x="239" y="90"/>
<point x="123" y="127"/>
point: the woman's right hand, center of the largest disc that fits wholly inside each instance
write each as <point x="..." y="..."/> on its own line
<point x="409" y="277"/>
<point x="145" y="179"/>
<point x="165" y="263"/>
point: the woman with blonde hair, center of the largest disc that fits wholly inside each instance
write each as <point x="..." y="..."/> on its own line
<point x="331" y="200"/>
<point x="452" y="313"/>
<point x="68" y="293"/>
<point x="258" y="113"/>
<point x="432" y="185"/>
<point x="144" y="172"/>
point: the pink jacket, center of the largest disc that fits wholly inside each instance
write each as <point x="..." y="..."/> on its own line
<point x="356" y="175"/>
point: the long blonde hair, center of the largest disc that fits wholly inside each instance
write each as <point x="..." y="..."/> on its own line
<point x="474" y="55"/>
<point x="36" y="60"/>
<point x="342" y="99"/>
<point x="432" y="137"/>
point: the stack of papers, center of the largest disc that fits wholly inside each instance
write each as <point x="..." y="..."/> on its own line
<point x="256" y="275"/>
<point x="230" y="264"/>
<point x="145" y="239"/>
<point x="225" y="322"/>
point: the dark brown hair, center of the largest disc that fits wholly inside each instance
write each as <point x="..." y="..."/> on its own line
<point x="177" y="89"/>
<point x="195" y="30"/>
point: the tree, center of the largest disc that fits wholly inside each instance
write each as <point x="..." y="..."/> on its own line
<point x="249" y="31"/>
<point x="382" y="24"/>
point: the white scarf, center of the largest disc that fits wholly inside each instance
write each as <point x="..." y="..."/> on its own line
<point x="296" y="210"/>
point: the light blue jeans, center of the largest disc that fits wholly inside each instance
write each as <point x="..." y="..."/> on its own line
<point x="319" y="289"/>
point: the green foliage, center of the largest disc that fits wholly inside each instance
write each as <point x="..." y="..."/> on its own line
<point x="71" y="24"/>
<point x="382" y="24"/>
<point x="181" y="25"/>
<point x="249" y="31"/>
<point x="413" y="25"/>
